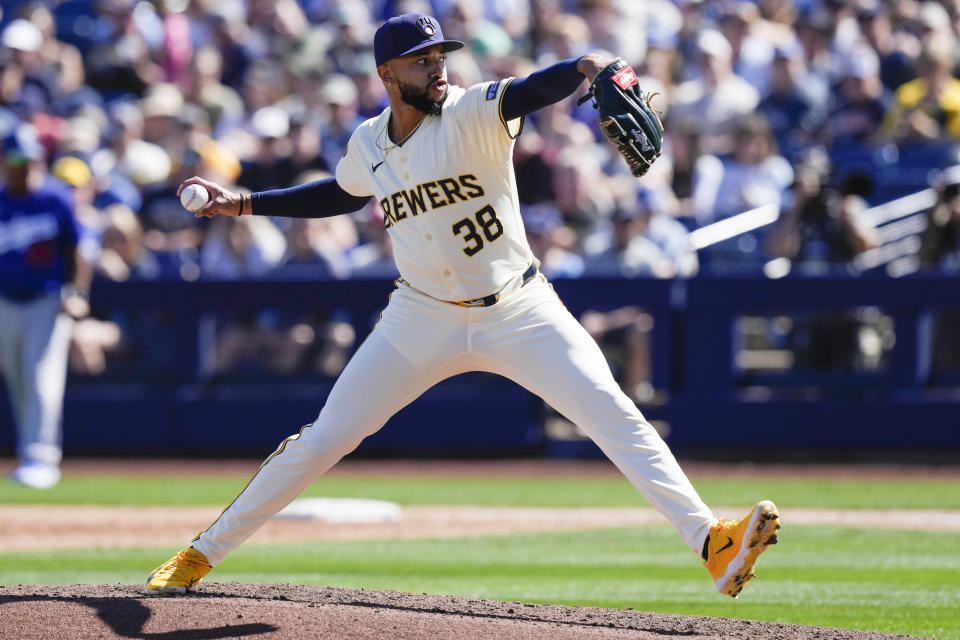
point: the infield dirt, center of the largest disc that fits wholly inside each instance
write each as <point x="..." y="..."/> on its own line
<point x="285" y="612"/>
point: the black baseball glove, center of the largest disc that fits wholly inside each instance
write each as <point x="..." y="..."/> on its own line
<point x="625" y="115"/>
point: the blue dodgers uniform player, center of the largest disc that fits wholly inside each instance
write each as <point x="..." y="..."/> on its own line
<point x="38" y="253"/>
<point x="438" y="161"/>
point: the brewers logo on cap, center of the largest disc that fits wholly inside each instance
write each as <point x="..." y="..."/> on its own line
<point x="425" y="24"/>
<point x="409" y="33"/>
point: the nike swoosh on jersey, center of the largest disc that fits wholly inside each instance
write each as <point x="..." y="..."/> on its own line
<point x="374" y="167"/>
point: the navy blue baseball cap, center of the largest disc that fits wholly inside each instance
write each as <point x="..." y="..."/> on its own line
<point x="409" y="33"/>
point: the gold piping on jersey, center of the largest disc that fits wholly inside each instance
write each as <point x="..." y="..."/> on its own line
<point x="396" y="285"/>
<point x="506" y="126"/>
<point x="283" y="445"/>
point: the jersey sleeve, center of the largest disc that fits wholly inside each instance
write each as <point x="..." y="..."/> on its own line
<point x="479" y="113"/>
<point x="351" y="172"/>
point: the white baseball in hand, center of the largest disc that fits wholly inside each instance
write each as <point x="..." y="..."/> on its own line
<point x="193" y="197"/>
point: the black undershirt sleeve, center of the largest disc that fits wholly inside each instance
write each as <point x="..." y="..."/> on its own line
<point x="320" y="199"/>
<point x="325" y="198"/>
<point x="523" y="96"/>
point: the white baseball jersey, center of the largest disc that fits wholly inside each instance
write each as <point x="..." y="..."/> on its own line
<point x="450" y="204"/>
<point x="448" y="194"/>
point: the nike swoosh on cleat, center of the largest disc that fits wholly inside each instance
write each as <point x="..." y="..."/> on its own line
<point x="374" y="167"/>
<point x="725" y="547"/>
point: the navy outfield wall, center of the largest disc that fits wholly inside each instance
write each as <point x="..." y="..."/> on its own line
<point x="164" y="399"/>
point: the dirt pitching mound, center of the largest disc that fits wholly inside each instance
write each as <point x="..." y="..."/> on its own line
<point x="283" y="612"/>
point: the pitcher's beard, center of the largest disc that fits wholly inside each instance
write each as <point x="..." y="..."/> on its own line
<point x="419" y="98"/>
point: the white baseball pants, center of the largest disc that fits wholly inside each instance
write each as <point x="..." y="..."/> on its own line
<point x="528" y="337"/>
<point x="34" y="344"/>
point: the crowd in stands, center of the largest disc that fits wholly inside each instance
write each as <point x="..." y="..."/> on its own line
<point x="789" y="103"/>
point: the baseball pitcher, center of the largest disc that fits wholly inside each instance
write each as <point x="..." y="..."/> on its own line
<point x="438" y="161"/>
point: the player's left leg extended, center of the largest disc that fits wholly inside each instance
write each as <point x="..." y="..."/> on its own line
<point x="535" y="341"/>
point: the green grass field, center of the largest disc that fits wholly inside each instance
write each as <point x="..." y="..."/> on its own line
<point x="887" y="581"/>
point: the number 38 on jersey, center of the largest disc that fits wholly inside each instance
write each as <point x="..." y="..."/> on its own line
<point x="487" y="226"/>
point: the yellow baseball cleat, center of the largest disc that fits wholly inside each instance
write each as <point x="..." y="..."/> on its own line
<point x="732" y="547"/>
<point x="179" y="574"/>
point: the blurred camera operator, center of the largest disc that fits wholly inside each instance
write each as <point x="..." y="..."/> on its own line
<point x="940" y="243"/>
<point x="823" y="225"/>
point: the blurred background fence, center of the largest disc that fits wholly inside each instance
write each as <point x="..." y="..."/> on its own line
<point x="849" y="364"/>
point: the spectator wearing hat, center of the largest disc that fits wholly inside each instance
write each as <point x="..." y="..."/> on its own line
<point x="65" y="59"/>
<point x="793" y="113"/>
<point x="858" y="108"/>
<point x="59" y="64"/>
<point x="270" y="127"/>
<point x="713" y="102"/>
<point x="339" y="94"/>
<point x="161" y="106"/>
<point x="30" y="87"/>
<point x="40" y="295"/>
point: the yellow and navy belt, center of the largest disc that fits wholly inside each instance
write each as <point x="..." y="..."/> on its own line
<point x="493" y="298"/>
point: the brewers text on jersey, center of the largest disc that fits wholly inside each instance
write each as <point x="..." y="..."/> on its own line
<point x="436" y="193"/>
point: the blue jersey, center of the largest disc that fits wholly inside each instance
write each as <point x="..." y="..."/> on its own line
<point x="36" y="232"/>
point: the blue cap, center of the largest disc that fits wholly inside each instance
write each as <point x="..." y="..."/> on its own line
<point x="408" y="33"/>
<point x="22" y="145"/>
